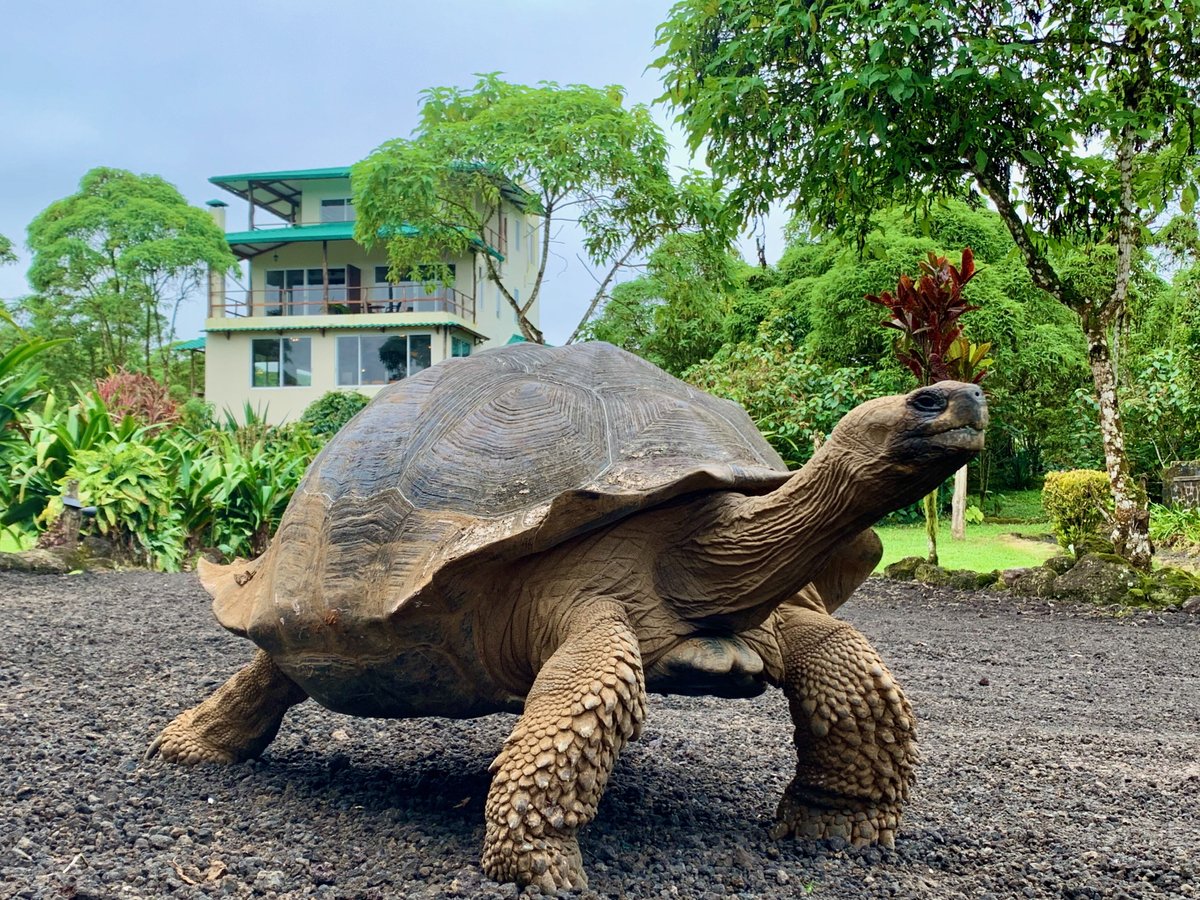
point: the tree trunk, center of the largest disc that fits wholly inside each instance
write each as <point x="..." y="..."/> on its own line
<point x="1131" y="519"/>
<point x="931" y="524"/>
<point x="958" y="516"/>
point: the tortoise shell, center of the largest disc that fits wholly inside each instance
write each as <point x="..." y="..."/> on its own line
<point x="494" y="456"/>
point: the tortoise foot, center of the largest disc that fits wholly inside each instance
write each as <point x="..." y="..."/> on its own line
<point x="553" y="863"/>
<point x="184" y="743"/>
<point x="857" y="823"/>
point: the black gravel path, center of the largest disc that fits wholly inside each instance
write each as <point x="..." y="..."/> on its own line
<point x="1061" y="760"/>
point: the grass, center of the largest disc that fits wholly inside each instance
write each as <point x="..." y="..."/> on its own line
<point x="986" y="547"/>
<point x="1012" y="506"/>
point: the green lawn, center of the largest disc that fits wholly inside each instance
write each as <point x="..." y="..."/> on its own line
<point x="986" y="547"/>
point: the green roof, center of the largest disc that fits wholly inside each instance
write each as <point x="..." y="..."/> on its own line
<point x="284" y="175"/>
<point x="193" y="344"/>
<point x="246" y="244"/>
<point x="277" y="192"/>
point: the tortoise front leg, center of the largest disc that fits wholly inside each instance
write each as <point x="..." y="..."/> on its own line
<point x="586" y="702"/>
<point x="855" y="733"/>
<point x="236" y="723"/>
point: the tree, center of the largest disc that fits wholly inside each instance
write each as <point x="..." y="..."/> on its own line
<point x="6" y="251"/>
<point x="113" y="262"/>
<point x="674" y="314"/>
<point x="1076" y="119"/>
<point x="563" y="153"/>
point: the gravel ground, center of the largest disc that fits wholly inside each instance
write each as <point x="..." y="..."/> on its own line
<point x="1061" y="759"/>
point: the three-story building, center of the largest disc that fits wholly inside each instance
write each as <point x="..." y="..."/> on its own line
<point x="316" y="310"/>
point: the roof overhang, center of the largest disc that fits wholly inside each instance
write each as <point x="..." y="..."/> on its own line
<point x="276" y="192"/>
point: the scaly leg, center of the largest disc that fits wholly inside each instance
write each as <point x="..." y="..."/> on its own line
<point x="236" y="723"/>
<point x="586" y="702"/>
<point x="855" y="734"/>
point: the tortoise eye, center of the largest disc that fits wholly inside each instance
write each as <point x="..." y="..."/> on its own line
<point x="929" y="401"/>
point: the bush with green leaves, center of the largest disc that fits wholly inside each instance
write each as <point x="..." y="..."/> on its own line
<point x="1079" y="504"/>
<point x="327" y="414"/>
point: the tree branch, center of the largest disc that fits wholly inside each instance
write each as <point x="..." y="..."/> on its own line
<point x="601" y="291"/>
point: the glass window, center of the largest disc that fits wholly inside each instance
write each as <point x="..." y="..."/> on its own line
<point x="381" y="359"/>
<point x="264" y="357"/>
<point x="459" y="347"/>
<point x="420" y="352"/>
<point x="340" y="209"/>
<point x="276" y="362"/>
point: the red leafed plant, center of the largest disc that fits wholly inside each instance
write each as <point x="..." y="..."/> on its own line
<point x="926" y="315"/>
<point x="137" y="395"/>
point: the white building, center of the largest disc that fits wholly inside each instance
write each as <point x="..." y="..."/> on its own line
<point x="317" y="311"/>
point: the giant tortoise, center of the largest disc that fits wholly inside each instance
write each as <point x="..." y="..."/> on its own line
<point x="555" y="531"/>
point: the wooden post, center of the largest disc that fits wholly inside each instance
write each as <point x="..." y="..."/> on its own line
<point x="250" y="197"/>
<point x="325" y="272"/>
<point x="958" y="520"/>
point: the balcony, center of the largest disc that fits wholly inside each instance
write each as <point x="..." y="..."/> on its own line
<point x="334" y="300"/>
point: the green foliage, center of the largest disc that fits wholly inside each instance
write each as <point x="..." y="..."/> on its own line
<point x="1175" y="526"/>
<point x="196" y="415"/>
<point x="1079" y="503"/>
<point x="847" y="106"/>
<point x="551" y="151"/>
<point x="794" y="401"/>
<point x="674" y="315"/>
<point x="6" y="251"/>
<point x="111" y="264"/>
<point x="326" y="415"/>
<point x="129" y="484"/>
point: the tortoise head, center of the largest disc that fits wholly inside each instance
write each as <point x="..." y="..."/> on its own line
<point x="920" y="438"/>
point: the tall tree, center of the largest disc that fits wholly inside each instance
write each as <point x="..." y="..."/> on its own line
<point x="6" y="251"/>
<point x="563" y="153"/>
<point x="114" y="261"/>
<point x="1077" y="119"/>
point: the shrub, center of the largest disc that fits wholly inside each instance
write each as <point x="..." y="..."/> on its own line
<point x="1079" y="503"/>
<point x="137" y="395"/>
<point x="196" y="415"/>
<point x="326" y="415"/>
<point x="1175" y="526"/>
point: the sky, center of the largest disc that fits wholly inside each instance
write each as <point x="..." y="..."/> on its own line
<point x="188" y="91"/>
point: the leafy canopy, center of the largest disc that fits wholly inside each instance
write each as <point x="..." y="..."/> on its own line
<point x="113" y="261"/>
<point x="846" y="105"/>
<point x="558" y="152"/>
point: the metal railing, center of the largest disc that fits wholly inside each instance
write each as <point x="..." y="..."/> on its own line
<point x="335" y="300"/>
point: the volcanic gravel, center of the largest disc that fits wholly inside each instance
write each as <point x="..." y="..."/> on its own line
<point x="1061" y="758"/>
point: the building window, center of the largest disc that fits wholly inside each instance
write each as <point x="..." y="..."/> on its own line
<point x="517" y="234"/>
<point x="281" y="362"/>
<point x="381" y="358"/>
<point x="459" y="347"/>
<point x="340" y="209"/>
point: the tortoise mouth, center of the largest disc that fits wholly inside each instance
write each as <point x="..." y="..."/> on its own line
<point x="964" y="437"/>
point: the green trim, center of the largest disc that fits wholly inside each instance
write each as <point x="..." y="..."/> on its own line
<point x="285" y="175"/>
<point x="251" y="243"/>
<point x="291" y="323"/>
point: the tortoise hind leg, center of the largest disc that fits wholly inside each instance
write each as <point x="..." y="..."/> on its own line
<point x="236" y="723"/>
<point x="587" y="701"/>
<point x="855" y="734"/>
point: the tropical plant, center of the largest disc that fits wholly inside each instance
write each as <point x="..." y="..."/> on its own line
<point x="137" y="395"/>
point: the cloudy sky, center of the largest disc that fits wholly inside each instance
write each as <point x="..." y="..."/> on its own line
<point x="187" y="91"/>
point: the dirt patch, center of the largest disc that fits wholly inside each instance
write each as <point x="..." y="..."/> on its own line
<point x="1061" y="758"/>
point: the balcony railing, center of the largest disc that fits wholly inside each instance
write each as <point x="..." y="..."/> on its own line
<point x="341" y="300"/>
